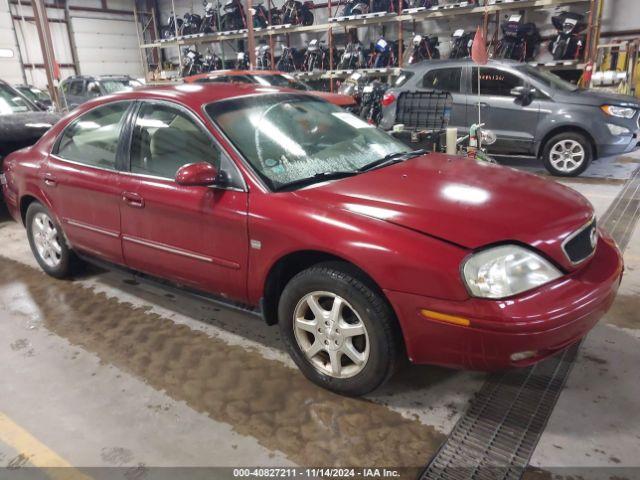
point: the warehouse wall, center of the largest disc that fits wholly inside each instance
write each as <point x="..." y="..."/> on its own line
<point x="106" y="42"/>
<point x="620" y="15"/>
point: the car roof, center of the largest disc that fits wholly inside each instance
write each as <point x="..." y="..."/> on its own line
<point x="458" y="62"/>
<point x="219" y="73"/>
<point x="96" y="77"/>
<point x="193" y="95"/>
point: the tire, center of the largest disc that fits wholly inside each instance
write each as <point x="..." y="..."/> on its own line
<point x="307" y="18"/>
<point x="377" y="350"/>
<point x="45" y="235"/>
<point x="562" y="151"/>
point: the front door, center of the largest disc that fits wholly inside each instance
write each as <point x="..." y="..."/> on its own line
<point x="513" y="122"/>
<point x="449" y="80"/>
<point x="195" y="236"/>
<point x="81" y="181"/>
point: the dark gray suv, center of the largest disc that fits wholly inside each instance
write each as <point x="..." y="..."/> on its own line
<point x="532" y="111"/>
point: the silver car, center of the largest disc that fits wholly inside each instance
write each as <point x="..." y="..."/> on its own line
<point x="532" y="111"/>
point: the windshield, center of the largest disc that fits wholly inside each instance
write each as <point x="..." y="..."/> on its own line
<point x="34" y="94"/>
<point x="119" y="85"/>
<point x="13" y="102"/>
<point x="281" y="81"/>
<point x="547" y="78"/>
<point x="288" y="138"/>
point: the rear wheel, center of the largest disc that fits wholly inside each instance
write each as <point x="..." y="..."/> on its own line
<point x="339" y="331"/>
<point x="48" y="243"/>
<point x="567" y="154"/>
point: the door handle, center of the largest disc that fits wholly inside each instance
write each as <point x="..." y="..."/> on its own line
<point x="49" y="180"/>
<point x="133" y="199"/>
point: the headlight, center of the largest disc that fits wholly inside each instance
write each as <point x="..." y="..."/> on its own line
<point x="506" y="270"/>
<point x="616" y="111"/>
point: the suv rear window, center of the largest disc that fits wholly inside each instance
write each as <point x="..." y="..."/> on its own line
<point x="445" y="79"/>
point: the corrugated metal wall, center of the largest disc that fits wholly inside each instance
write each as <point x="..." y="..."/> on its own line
<point x="106" y="43"/>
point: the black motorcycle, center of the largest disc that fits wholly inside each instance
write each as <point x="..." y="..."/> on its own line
<point x="361" y="7"/>
<point x="191" y="23"/>
<point x="569" y="43"/>
<point x="242" y="61"/>
<point x="352" y="57"/>
<point x="233" y="17"/>
<point x="371" y="102"/>
<point x="261" y="15"/>
<point x="317" y="56"/>
<point x="424" y="48"/>
<point x="383" y="54"/>
<point x="520" y="40"/>
<point x="297" y="13"/>
<point x="263" y="57"/>
<point x="169" y="30"/>
<point x="289" y="60"/>
<point x="461" y="43"/>
<point x="191" y="62"/>
<point x="210" y="21"/>
<point x="425" y="3"/>
<point x="211" y="62"/>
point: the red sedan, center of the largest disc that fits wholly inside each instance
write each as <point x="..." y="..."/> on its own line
<point x="271" y="78"/>
<point x="362" y="251"/>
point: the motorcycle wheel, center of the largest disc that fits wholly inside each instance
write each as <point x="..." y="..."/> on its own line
<point x="167" y="32"/>
<point x="560" y="50"/>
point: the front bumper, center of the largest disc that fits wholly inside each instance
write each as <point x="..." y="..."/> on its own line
<point x="544" y="321"/>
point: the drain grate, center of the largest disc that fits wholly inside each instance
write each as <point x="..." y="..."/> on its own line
<point x="497" y="435"/>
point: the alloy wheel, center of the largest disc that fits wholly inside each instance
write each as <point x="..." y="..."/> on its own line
<point x="567" y="155"/>
<point x="331" y="334"/>
<point x="46" y="240"/>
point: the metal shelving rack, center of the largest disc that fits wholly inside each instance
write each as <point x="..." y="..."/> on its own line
<point x="493" y="7"/>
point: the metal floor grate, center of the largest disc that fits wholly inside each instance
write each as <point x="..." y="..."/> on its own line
<point x="497" y="435"/>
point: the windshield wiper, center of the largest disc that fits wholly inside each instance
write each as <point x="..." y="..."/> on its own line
<point x="318" y="177"/>
<point x="391" y="159"/>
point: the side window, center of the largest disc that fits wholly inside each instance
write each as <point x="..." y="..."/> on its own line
<point x="446" y="79"/>
<point x="494" y="82"/>
<point x="76" y="87"/>
<point x="92" y="139"/>
<point x="166" y="138"/>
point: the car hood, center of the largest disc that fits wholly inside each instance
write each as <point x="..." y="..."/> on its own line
<point x="463" y="202"/>
<point x="596" y="98"/>
<point x="335" y="98"/>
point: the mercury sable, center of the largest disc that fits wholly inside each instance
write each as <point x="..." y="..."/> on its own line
<point x="362" y="251"/>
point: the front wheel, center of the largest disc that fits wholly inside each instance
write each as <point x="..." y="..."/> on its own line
<point x="47" y="242"/>
<point x="339" y="331"/>
<point x="567" y="154"/>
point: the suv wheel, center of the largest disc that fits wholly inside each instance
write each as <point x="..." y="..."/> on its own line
<point x="567" y="154"/>
<point x="47" y="242"/>
<point x="342" y="335"/>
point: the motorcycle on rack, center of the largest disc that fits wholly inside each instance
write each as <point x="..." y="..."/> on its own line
<point x="461" y="43"/>
<point x="352" y="57"/>
<point x="371" y="103"/>
<point x="261" y="15"/>
<point x="317" y="56"/>
<point x="424" y="48"/>
<point x="296" y="12"/>
<point x="355" y="7"/>
<point x="169" y="30"/>
<point x="211" y="62"/>
<point x="242" y="61"/>
<point x="191" y="62"/>
<point x="520" y="40"/>
<point x="425" y="3"/>
<point x="263" y="57"/>
<point x="209" y="22"/>
<point x="568" y="43"/>
<point x="234" y="17"/>
<point x="353" y="86"/>
<point x="382" y="54"/>
<point x="288" y="61"/>
<point x="191" y="24"/>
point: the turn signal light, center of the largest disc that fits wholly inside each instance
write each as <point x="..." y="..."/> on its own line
<point x="443" y="317"/>
<point x="388" y="99"/>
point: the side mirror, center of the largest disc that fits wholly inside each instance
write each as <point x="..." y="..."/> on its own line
<point x="200" y="174"/>
<point x="522" y="92"/>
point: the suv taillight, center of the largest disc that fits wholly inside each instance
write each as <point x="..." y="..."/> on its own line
<point x="387" y="99"/>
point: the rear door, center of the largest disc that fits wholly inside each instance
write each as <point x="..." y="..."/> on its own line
<point x="513" y="123"/>
<point x="82" y="181"/>
<point x="449" y="79"/>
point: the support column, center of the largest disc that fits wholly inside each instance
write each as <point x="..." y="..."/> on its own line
<point x="48" y="55"/>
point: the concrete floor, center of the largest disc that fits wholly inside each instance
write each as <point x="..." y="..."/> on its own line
<point x="104" y="372"/>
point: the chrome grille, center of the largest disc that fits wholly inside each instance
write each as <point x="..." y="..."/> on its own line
<point x="581" y="244"/>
